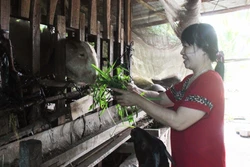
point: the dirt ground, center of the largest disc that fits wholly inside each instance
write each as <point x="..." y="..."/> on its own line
<point x="237" y="147"/>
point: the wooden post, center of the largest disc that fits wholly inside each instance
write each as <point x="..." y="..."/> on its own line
<point x="111" y="46"/>
<point x="118" y="20"/>
<point x="117" y="39"/>
<point x="92" y="19"/>
<point x="35" y="35"/>
<point x="60" y="60"/>
<point x="60" y="69"/>
<point x="122" y="43"/>
<point x="81" y="32"/>
<point x="127" y="33"/>
<point x="35" y="18"/>
<point x="5" y="15"/>
<point x="107" y="19"/>
<point x="30" y="153"/>
<point x="52" y="10"/>
<point x="100" y="164"/>
<point x="24" y="8"/>
<point x="75" y="13"/>
<point x="98" y="44"/>
<point x="127" y="21"/>
<point x="107" y="28"/>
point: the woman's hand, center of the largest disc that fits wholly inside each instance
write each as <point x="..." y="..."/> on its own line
<point x="125" y="97"/>
<point x="132" y="87"/>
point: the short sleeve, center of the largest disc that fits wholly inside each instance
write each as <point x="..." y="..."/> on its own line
<point x="175" y="92"/>
<point x="204" y="92"/>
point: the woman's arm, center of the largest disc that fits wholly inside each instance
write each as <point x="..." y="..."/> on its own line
<point x="154" y="96"/>
<point x="181" y="119"/>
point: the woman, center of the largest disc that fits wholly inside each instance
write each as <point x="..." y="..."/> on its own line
<point x="196" y="116"/>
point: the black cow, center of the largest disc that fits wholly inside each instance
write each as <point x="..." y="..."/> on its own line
<point x="150" y="151"/>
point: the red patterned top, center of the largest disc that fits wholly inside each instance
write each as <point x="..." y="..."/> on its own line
<point x="202" y="144"/>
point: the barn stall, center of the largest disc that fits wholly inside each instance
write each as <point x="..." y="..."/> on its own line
<point x="47" y="48"/>
<point x="47" y="51"/>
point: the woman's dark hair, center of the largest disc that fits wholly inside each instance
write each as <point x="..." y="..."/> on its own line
<point x="205" y="37"/>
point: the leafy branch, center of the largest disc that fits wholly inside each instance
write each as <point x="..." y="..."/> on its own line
<point x="102" y="94"/>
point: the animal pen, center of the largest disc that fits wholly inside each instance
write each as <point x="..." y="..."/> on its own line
<point x="47" y="48"/>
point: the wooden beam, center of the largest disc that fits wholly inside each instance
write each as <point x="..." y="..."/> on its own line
<point x="98" y="155"/>
<point x="35" y="19"/>
<point x="69" y="95"/>
<point x="98" y="44"/>
<point x="20" y="133"/>
<point x="5" y="15"/>
<point x="127" y="21"/>
<point x="78" y="131"/>
<point x="81" y="106"/>
<point x="127" y="35"/>
<point x="107" y="19"/>
<point x="117" y="54"/>
<point x="35" y="35"/>
<point x="60" y="60"/>
<point x="122" y="44"/>
<point x="24" y="9"/>
<point x="118" y="22"/>
<point x="52" y="11"/>
<point x="75" y="13"/>
<point x="117" y="37"/>
<point x="60" y="56"/>
<point x="92" y="19"/>
<point x="81" y="31"/>
<point x="111" y="46"/>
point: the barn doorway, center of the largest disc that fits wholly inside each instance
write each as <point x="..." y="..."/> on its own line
<point x="234" y="40"/>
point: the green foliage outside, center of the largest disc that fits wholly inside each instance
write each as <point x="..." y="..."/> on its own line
<point x="234" y="40"/>
<point x="233" y="33"/>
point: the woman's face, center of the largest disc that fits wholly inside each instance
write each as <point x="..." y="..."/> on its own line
<point x="192" y="56"/>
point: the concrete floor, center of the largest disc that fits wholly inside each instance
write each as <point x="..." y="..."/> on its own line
<point x="237" y="147"/>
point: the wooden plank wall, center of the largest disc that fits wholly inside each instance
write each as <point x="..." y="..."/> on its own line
<point x="5" y="14"/>
<point x="85" y="26"/>
<point x="99" y="32"/>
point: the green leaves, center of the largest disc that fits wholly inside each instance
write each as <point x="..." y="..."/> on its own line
<point x="102" y="93"/>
